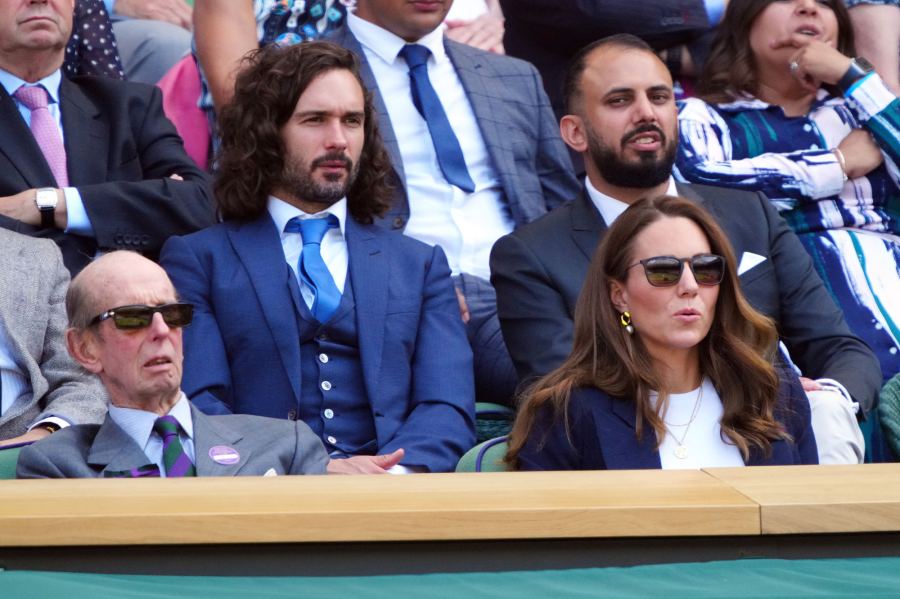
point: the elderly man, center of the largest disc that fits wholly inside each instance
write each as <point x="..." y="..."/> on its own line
<point x="90" y="162"/>
<point x="305" y="309"/>
<point x="125" y="326"/>
<point x="41" y="388"/>
<point x="622" y="118"/>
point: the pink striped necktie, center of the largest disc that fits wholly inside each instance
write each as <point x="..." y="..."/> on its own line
<point x="45" y="130"/>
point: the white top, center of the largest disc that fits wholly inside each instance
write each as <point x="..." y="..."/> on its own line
<point x="610" y="208"/>
<point x="703" y="438"/>
<point x="465" y="225"/>
<point x="333" y="248"/>
<point x="138" y="424"/>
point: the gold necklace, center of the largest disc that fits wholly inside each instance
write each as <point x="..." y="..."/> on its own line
<point x="681" y="451"/>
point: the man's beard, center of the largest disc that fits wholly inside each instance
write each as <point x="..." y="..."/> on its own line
<point x="648" y="172"/>
<point x="297" y="178"/>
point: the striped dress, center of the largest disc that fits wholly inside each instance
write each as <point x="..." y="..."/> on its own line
<point x="851" y="229"/>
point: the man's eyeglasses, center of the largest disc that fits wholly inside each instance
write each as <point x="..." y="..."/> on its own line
<point x="665" y="271"/>
<point x="140" y="316"/>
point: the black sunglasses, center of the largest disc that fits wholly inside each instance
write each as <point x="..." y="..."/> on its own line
<point x="665" y="271"/>
<point x="140" y="316"/>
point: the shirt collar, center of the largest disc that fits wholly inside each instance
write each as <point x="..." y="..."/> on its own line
<point x="138" y="424"/>
<point x="50" y="83"/>
<point x="609" y="207"/>
<point x="386" y="45"/>
<point x="281" y="212"/>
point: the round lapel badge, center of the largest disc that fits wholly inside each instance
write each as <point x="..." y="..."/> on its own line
<point x="224" y="455"/>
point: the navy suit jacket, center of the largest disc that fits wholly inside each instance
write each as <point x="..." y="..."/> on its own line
<point x="602" y="430"/>
<point x="242" y="352"/>
<point x="121" y="151"/>
<point x="519" y="130"/>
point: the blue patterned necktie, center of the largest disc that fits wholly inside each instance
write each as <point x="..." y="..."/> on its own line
<point x="175" y="460"/>
<point x="312" y="268"/>
<point x="446" y="145"/>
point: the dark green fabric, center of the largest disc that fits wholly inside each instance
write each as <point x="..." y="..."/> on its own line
<point x="741" y="579"/>
<point x="889" y="413"/>
<point x="8" y="459"/>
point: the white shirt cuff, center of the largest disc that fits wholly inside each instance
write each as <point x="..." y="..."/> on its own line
<point x="79" y="223"/>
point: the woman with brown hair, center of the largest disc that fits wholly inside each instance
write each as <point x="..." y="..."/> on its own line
<point x="785" y="109"/>
<point x="670" y="366"/>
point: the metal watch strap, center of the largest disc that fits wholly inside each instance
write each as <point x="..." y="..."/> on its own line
<point x="859" y="68"/>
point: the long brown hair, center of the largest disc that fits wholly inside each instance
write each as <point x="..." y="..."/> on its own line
<point x="737" y="354"/>
<point x="266" y="92"/>
<point x="730" y="70"/>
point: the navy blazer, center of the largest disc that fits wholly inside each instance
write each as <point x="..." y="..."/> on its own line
<point x="519" y="130"/>
<point x="242" y="352"/>
<point x="121" y="152"/>
<point x="602" y="430"/>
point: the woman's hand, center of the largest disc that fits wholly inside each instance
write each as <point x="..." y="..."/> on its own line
<point x="861" y="153"/>
<point x="816" y="62"/>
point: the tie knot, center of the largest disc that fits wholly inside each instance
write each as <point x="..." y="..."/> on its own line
<point x="415" y="55"/>
<point x="311" y="229"/>
<point x="32" y="97"/>
<point x="166" y="426"/>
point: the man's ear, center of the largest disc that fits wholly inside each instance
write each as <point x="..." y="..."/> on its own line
<point x="618" y="296"/>
<point x="82" y="346"/>
<point x="571" y="128"/>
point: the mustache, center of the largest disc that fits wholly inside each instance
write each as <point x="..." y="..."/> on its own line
<point x="648" y="128"/>
<point x="332" y="157"/>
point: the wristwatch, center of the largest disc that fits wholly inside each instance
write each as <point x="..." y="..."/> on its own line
<point x="46" y="199"/>
<point x="859" y="68"/>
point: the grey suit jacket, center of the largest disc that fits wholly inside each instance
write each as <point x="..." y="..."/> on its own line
<point x="263" y="444"/>
<point x="33" y="283"/>
<point x="538" y="272"/>
<point x="518" y="127"/>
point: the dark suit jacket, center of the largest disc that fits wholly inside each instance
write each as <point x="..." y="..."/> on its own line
<point x="120" y="150"/>
<point x="538" y="271"/>
<point x="602" y="434"/>
<point x="90" y="450"/>
<point x="548" y="33"/>
<point x="242" y="352"/>
<point x="518" y="127"/>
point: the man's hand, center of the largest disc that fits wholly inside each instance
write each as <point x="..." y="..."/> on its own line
<point x="484" y="32"/>
<point x="176" y="12"/>
<point x="35" y="434"/>
<point x="463" y="306"/>
<point x="365" y="464"/>
<point x="809" y="384"/>
<point x="21" y="207"/>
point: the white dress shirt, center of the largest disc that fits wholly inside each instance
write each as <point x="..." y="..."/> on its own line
<point x="78" y="221"/>
<point x="138" y="424"/>
<point x="13" y="381"/>
<point x="333" y="248"/>
<point x="465" y="225"/>
<point x="609" y="207"/>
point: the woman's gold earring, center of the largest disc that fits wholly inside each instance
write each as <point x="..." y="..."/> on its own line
<point x="625" y="319"/>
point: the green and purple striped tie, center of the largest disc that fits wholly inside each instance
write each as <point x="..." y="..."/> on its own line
<point x="175" y="460"/>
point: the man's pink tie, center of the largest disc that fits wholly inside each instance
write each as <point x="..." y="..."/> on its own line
<point x="45" y="131"/>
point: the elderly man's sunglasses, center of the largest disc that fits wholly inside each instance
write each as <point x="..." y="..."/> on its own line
<point x="665" y="271"/>
<point x="140" y="316"/>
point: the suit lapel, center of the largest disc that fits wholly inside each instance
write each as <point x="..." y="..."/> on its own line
<point x="258" y="247"/>
<point x="113" y="450"/>
<point x="369" y="277"/>
<point x="19" y="147"/>
<point x="624" y="451"/>
<point x="346" y="38"/>
<point x="209" y="434"/>
<point x="85" y="131"/>
<point x="587" y="225"/>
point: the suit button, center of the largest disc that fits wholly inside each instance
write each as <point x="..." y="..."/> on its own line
<point x="328" y="413"/>
<point x="118" y="239"/>
<point x="326" y="386"/>
<point x="399" y="222"/>
<point x="292" y="415"/>
<point x="145" y="240"/>
<point x="323" y="358"/>
<point x="322" y="337"/>
<point x="331" y="439"/>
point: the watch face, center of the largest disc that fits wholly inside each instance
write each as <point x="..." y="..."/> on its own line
<point x="46" y="199"/>
<point x="864" y="64"/>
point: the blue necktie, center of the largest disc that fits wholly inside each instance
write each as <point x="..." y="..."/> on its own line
<point x="312" y="268"/>
<point x="446" y="145"/>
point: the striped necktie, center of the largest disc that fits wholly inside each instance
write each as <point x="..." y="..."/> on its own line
<point x="175" y="460"/>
